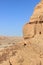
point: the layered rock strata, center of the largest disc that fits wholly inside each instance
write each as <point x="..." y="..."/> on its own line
<point x="35" y="26"/>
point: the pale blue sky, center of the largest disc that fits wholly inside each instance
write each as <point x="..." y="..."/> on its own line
<point x="14" y="14"/>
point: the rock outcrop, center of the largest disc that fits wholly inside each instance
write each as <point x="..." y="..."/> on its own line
<point x="35" y="26"/>
<point x="27" y="51"/>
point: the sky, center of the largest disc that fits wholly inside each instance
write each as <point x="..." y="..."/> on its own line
<point x="14" y="14"/>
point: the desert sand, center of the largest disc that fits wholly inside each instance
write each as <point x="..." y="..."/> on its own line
<point x="26" y="50"/>
<point x="21" y="52"/>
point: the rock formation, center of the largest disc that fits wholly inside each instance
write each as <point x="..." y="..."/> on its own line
<point x="27" y="51"/>
<point x="35" y="26"/>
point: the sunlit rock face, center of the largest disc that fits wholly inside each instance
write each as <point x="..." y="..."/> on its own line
<point x="27" y="50"/>
<point x="38" y="13"/>
<point x="35" y="26"/>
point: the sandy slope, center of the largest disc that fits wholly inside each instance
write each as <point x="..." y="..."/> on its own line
<point x="21" y="53"/>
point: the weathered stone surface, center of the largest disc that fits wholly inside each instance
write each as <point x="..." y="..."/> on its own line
<point x="18" y="51"/>
<point x="19" y="54"/>
<point x="38" y="13"/>
<point x="28" y="30"/>
<point x="35" y="26"/>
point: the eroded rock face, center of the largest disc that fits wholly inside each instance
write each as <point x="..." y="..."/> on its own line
<point x="16" y="51"/>
<point x="28" y="30"/>
<point x="35" y="26"/>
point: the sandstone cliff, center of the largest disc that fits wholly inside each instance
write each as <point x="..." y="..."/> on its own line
<point x="27" y="51"/>
<point x="35" y="26"/>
